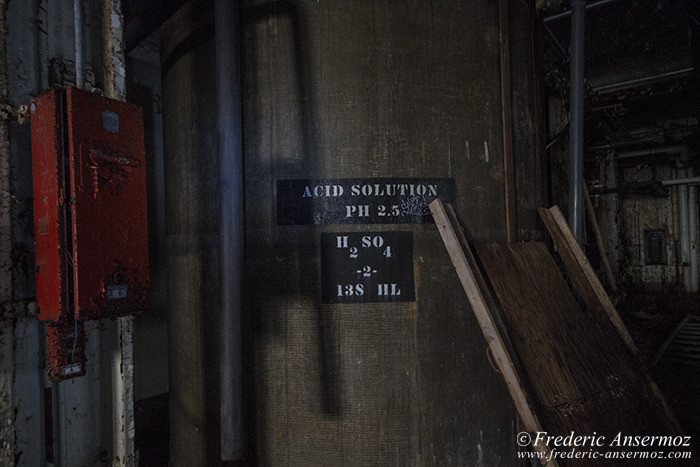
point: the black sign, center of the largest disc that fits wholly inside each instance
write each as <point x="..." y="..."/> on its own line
<point x="362" y="267"/>
<point x="360" y="200"/>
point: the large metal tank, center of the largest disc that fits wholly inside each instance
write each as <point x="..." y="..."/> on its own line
<point x="337" y="90"/>
<point x="192" y="222"/>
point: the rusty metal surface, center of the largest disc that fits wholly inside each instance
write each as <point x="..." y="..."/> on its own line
<point x="49" y="205"/>
<point x="102" y="250"/>
<point x="65" y="350"/>
<point x="108" y="206"/>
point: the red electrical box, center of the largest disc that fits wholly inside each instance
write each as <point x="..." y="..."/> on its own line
<point x="90" y="223"/>
<point x="50" y="207"/>
<point x="65" y="350"/>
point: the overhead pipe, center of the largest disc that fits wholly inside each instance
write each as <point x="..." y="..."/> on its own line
<point x="231" y="234"/>
<point x="576" y="102"/>
<point x="682" y="181"/>
<point x="680" y="149"/>
<point x="627" y="143"/>
<point x="615" y="87"/>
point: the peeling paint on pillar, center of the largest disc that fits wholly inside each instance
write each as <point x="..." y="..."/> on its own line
<point x="115" y="65"/>
<point x="123" y="429"/>
<point x="7" y="409"/>
<point x="7" y="345"/>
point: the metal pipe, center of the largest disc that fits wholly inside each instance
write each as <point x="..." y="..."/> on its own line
<point x="576" y="103"/>
<point x="622" y="144"/>
<point x="693" y="236"/>
<point x="78" y="36"/>
<point x="652" y="151"/>
<point x="675" y="230"/>
<point x="684" y="233"/>
<point x="682" y="181"/>
<point x="231" y="233"/>
<point x="614" y="87"/>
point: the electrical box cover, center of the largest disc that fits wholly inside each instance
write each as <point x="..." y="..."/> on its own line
<point x="50" y="215"/>
<point x="65" y="350"/>
<point x="89" y="174"/>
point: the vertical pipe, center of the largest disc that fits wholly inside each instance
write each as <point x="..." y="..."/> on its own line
<point x="684" y="231"/>
<point x="576" y="98"/>
<point x="230" y="153"/>
<point x="676" y="231"/>
<point x="693" y="236"/>
<point x="78" y="35"/>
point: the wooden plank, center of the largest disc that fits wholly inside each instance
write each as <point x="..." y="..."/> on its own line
<point x="581" y="272"/>
<point x="587" y="373"/>
<point x="545" y="322"/>
<point x="594" y="296"/>
<point x="598" y="238"/>
<point x="484" y="308"/>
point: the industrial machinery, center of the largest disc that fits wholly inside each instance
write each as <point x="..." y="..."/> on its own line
<point x="89" y="176"/>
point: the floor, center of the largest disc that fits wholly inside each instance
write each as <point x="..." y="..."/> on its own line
<point x="653" y="321"/>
